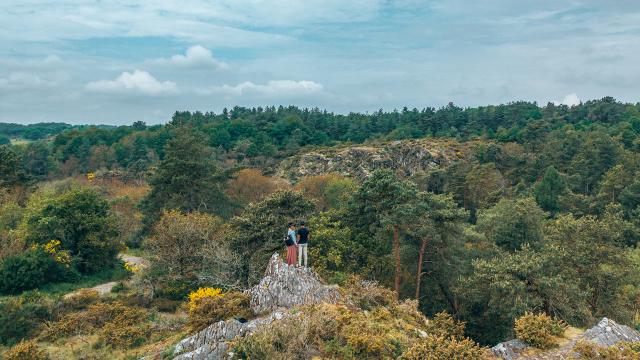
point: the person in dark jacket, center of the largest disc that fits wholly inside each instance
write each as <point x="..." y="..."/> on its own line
<point x="303" y="242"/>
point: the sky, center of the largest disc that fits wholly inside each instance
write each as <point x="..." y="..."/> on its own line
<point x="117" y="61"/>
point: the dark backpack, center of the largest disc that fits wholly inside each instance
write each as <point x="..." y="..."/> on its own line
<point x="288" y="240"/>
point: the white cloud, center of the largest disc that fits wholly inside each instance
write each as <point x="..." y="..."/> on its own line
<point x="273" y="88"/>
<point x="139" y="81"/>
<point x="196" y="56"/>
<point x="23" y="80"/>
<point x="569" y="100"/>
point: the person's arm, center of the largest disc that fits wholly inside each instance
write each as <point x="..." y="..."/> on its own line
<point x="297" y="239"/>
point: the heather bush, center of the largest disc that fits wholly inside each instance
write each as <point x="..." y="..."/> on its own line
<point x="25" y="350"/>
<point x="539" y="330"/>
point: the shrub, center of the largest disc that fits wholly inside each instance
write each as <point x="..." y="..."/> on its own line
<point x="444" y="348"/>
<point x="125" y="335"/>
<point x="336" y="332"/>
<point x="444" y="325"/>
<point x="96" y="317"/>
<point x="367" y="294"/>
<point x="81" y="299"/>
<point x="207" y="306"/>
<point x="26" y="350"/>
<point x="21" y="317"/>
<point x="538" y="330"/>
<point x="81" y="219"/>
<point x="622" y="351"/>
<point x="29" y="270"/>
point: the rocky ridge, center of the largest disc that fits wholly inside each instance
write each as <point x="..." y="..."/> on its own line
<point x="281" y="288"/>
<point x="409" y="157"/>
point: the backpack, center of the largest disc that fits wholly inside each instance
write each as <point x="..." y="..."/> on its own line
<point x="288" y="240"/>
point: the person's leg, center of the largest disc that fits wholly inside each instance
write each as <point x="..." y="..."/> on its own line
<point x="305" y="254"/>
<point x="300" y="249"/>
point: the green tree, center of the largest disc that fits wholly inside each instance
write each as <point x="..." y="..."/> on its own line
<point x="549" y="189"/>
<point x="257" y="232"/>
<point x="381" y="205"/>
<point x="187" y="179"/>
<point x="512" y="223"/>
<point x="11" y="172"/>
<point x="81" y="219"/>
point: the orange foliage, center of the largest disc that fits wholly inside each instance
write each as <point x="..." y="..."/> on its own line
<point x="250" y="186"/>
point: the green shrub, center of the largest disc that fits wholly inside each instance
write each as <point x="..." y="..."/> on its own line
<point x="26" y="350"/>
<point x="30" y="270"/>
<point x="445" y="348"/>
<point x="21" y="317"/>
<point x="539" y="330"/>
<point x="208" y="310"/>
<point x="81" y="219"/>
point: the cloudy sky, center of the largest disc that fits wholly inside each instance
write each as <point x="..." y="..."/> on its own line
<point x="117" y="61"/>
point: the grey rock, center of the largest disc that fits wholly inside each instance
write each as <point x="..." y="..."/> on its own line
<point x="282" y="287"/>
<point x="607" y="332"/>
<point x="509" y="349"/>
<point x="288" y="286"/>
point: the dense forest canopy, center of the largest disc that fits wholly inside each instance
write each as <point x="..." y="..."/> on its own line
<point x="540" y="211"/>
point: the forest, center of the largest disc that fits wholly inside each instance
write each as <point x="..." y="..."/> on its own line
<point x="539" y="213"/>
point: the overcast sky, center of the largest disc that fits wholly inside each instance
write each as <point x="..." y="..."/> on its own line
<point x="117" y="61"/>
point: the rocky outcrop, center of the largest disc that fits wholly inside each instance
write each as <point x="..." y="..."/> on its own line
<point x="286" y="286"/>
<point x="282" y="287"/>
<point x="407" y="157"/>
<point x="606" y="333"/>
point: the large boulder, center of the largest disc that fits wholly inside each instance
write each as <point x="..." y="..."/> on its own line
<point x="607" y="332"/>
<point x="282" y="287"/>
<point x="285" y="286"/>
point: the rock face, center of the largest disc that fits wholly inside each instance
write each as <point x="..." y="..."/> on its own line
<point x="407" y="156"/>
<point x="606" y="333"/>
<point x="288" y="286"/>
<point x="281" y="288"/>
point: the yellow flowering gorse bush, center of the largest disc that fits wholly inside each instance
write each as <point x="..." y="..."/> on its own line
<point x="197" y="296"/>
<point x="53" y="248"/>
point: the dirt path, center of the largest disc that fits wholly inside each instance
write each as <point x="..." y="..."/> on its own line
<point x="106" y="288"/>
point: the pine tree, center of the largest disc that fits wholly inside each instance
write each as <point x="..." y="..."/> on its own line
<point x="187" y="179"/>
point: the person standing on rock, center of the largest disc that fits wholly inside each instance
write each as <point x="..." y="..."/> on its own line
<point x="292" y="247"/>
<point x="303" y="241"/>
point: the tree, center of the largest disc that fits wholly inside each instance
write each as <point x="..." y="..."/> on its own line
<point x="81" y="219"/>
<point x="382" y="204"/>
<point x="436" y="217"/>
<point x="549" y="189"/>
<point x="187" y="179"/>
<point x="597" y="154"/>
<point x="250" y="186"/>
<point x="511" y="224"/>
<point x="483" y="185"/>
<point x="257" y="232"/>
<point x="178" y="239"/>
<point x="11" y="172"/>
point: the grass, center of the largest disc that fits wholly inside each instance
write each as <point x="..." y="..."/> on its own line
<point x="86" y="281"/>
